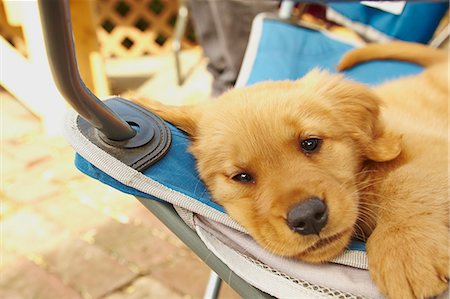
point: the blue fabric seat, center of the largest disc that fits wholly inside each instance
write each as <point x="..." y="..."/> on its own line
<point x="287" y="51"/>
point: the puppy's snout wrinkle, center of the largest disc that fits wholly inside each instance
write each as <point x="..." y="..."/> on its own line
<point x="308" y="217"/>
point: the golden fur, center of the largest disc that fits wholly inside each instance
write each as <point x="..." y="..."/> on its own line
<point x="382" y="168"/>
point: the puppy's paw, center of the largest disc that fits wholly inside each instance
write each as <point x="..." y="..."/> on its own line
<point x="408" y="266"/>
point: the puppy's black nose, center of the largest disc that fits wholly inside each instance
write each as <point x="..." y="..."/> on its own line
<point x="308" y="217"/>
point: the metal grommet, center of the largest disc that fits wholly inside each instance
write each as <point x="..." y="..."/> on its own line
<point x="151" y="142"/>
<point x="144" y="128"/>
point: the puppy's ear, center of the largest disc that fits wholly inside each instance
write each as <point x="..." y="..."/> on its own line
<point x="184" y="118"/>
<point x="358" y="109"/>
<point x="380" y="145"/>
<point x="361" y="114"/>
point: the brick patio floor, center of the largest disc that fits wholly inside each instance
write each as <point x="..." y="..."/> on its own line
<point x="64" y="235"/>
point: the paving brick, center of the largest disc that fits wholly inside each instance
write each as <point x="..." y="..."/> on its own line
<point x="226" y="292"/>
<point x="7" y="207"/>
<point x="27" y="232"/>
<point x="24" y="279"/>
<point x="61" y="167"/>
<point x="7" y="257"/>
<point x="185" y="273"/>
<point x="25" y="191"/>
<point x="41" y="164"/>
<point x="87" y="268"/>
<point x="136" y="244"/>
<point x="28" y="187"/>
<point x="142" y="216"/>
<point x="103" y="198"/>
<point x="18" y="119"/>
<point x="13" y="162"/>
<point x="31" y="150"/>
<point x="146" y="287"/>
<point x="10" y="165"/>
<point x="70" y="213"/>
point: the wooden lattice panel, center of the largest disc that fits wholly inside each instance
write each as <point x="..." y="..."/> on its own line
<point x="13" y="34"/>
<point x="132" y="28"/>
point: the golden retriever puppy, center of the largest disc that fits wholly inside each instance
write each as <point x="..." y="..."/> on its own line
<point x="306" y="165"/>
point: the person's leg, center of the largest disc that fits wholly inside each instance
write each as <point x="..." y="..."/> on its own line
<point x="222" y="28"/>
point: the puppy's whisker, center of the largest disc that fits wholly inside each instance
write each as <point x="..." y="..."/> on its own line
<point x="368" y="183"/>
<point x="368" y="206"/>
<point x="375" y="205"/>
<point x="367" y="213"/>
<point x="360" y="186"/>
<point x="369" y="225"/>
<point x="368" y="220"/>
<point x="359" y="233"/>
<point x="361" y="175"/>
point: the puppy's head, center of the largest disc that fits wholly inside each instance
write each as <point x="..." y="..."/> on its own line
<point x="283" y="158"/>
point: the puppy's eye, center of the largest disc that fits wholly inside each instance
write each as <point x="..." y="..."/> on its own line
<point x="310" y="145"/>
<point x="243" y="177"/>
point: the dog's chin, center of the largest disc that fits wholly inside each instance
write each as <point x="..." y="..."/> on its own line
<point x="325" y="249"/>
<point x="318" y="250"/>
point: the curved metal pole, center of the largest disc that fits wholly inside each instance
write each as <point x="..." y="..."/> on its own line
<point x="213" y="286"/>
<point x="57" y="30"/>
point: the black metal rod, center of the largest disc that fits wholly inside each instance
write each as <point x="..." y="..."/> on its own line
<point x="57" y="29"/>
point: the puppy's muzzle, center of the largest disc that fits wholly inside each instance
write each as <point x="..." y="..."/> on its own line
<point x="308" y="217"/>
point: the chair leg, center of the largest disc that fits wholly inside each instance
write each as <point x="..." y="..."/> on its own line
<point x="180" y="28"/>
<point x="213" y="287"/>
<point x="286" y="8"/>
